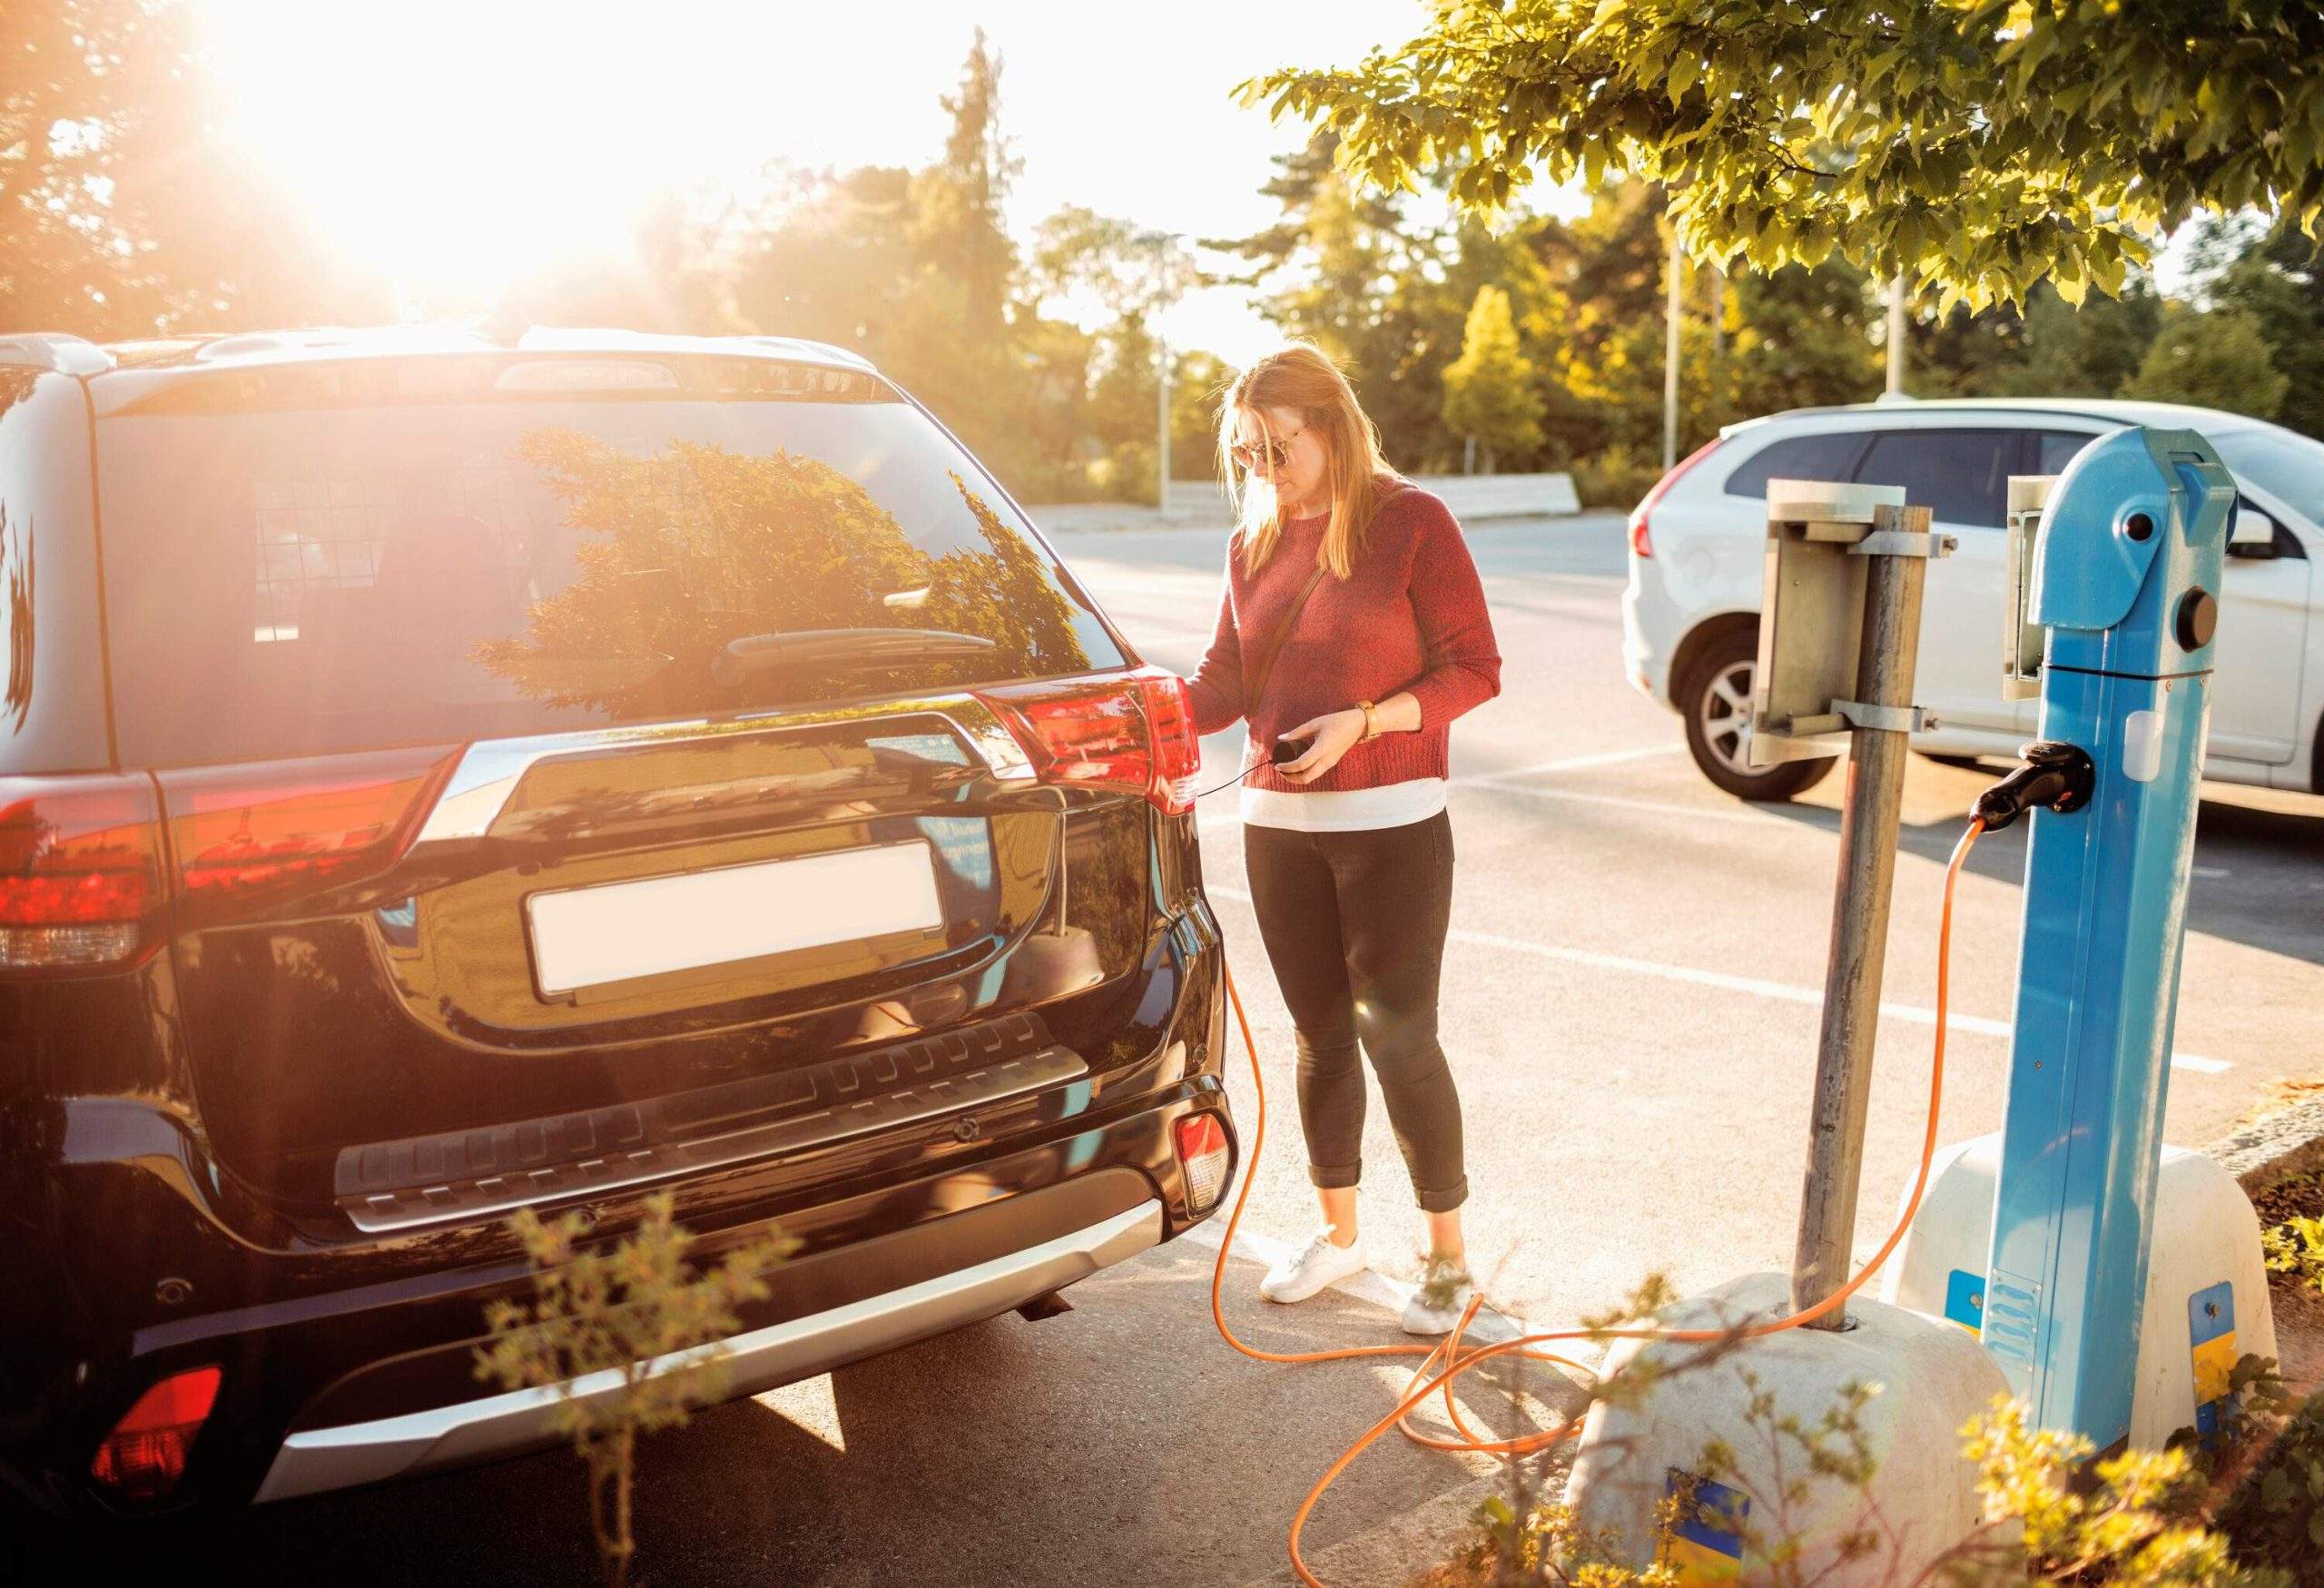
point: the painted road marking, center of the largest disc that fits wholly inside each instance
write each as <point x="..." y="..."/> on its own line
<point x="1623" y="802"/>
<point x="1570" y="764"/>
<point x="1978" y="1025"/>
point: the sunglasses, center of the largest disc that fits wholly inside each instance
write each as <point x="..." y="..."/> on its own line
<point x="1276" y="450"/>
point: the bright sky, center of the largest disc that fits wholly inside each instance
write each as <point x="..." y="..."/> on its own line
<point x="466" y="141"/>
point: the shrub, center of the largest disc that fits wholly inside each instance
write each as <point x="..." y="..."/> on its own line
<point x="1616" y="477"/>
<point x="621" y="1311"/>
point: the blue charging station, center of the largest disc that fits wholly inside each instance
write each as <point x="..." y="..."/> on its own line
<point x="2126" y="578"/>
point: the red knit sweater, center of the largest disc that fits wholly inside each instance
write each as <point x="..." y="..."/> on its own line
<point x="1410" y="616"/>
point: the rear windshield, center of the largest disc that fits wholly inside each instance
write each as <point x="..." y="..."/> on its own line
<point x="303" y="581"/>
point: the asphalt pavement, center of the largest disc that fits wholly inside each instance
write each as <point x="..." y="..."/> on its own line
<point x="1631" y="1001"/>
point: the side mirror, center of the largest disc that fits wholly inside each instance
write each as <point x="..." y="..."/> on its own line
<point x="2254" y="535"/>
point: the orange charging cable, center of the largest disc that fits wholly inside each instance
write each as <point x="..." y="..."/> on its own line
<point x="1446" y="1361"/>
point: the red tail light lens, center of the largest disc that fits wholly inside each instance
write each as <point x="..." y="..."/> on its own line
<point x="1177" y="749"/>
<point x="81" y="873"/>
<point x="144" y="1455"/>
<point x="1089" y="734"/>
<point x="1134" y="732"/>
<point x="1641" y="536"/>
<point x="1202" y="1148"/>
<point x="245" y="831"/>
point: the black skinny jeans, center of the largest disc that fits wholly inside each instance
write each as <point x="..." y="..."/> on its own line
<point x="1355" y="926"/>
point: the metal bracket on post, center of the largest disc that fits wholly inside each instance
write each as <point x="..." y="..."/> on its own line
<point x="1888" y="719"/>
<point x="1905" y="543"/>
<point x="1824" y="539"/>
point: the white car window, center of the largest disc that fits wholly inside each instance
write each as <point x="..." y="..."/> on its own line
<point x="2058" y="448"/>
<point x="1828" y="455"/>
<point x="1962" y="476"/>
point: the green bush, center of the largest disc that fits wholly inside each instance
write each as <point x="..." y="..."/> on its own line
<point x="1616" y="477"/>
<point x="641" y="1310"/>
<point x="2275" y="1516"/>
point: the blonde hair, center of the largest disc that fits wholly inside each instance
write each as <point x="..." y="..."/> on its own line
<point x="1300" y="377"/>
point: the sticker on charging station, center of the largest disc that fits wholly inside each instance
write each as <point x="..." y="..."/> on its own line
<point x="1704" y="1543"/>
<point x="1965" y="1299"/>
<point x="2211" y="1326"/>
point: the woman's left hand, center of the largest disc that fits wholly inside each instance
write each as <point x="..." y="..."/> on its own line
<point x="1334" y="735"/>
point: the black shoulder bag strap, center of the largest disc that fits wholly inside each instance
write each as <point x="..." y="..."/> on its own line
<point x="1255" y="686"/>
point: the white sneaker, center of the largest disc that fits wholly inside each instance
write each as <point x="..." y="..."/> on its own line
<point x="1321" y="1262"/>
<point x="1439" y="1299"/>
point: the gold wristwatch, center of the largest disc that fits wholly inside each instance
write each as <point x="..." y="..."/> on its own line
<point x="1371" y="723"/>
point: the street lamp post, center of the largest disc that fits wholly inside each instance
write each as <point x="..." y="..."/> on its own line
<point x="1162" y="424"/>
<point x="1897" y="335"/>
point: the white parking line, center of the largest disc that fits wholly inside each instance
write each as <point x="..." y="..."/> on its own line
<point x="1813" y="997"/>
<point x="1623" y="802"/>
<point x="1571" y="764"/>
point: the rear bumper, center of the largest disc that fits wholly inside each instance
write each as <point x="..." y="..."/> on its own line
<point x="315" y="1460"/>
<point x="348" y="1359"/>
<point x="1653" y="626"/>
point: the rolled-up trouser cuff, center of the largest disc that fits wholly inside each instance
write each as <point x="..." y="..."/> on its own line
<point x="1338" y="1176"/>
<point x="1445" y="1200"/>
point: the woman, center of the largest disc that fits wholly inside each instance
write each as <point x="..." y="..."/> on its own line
<point x="1353" y="630"/>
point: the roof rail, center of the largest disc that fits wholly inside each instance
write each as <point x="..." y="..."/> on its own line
<point x="55" y="349"/>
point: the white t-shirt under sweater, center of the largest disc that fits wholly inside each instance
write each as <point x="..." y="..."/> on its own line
<point x="1348" y="810"/>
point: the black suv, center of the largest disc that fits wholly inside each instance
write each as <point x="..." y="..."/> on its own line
<point x="441" y="774"/>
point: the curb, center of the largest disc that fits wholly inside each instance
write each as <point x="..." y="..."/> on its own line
<point x="2274" y="1148"/>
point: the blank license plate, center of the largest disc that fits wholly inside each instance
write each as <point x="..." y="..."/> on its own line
<point x="586" y="937"/>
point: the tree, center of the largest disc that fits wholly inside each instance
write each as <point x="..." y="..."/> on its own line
<point x="1489" y="391"/>
<point x="1130" y="269"/>
<point x="1975" y="145"/>
<point x="124" y="211"/>
<point x="623" y="1313"/>
<point x="2213" y="359"/>
<point x="961" y="227"/>
<point x="2048" y="348"/>
<point x="1347" y="270"/>
<point x="2274" y="274"/>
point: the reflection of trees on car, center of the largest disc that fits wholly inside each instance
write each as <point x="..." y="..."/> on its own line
<point x="16" y="578"/>
<point x="694" y="547"/>
<point x="1005" y="595"/>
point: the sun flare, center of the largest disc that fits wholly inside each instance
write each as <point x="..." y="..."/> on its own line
<point x="457" y="145"/>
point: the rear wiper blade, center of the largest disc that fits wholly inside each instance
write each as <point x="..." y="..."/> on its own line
<point x="842" y="648"/>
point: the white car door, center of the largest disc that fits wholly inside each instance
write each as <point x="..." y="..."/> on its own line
<point x="1961" y="472"/>
<point x="2263" y="618"/>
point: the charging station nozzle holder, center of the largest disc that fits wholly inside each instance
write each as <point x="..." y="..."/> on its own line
<point x="1806" y="686"/>
<point x="2020" y="638"/>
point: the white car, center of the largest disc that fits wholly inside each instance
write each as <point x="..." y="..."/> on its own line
<point x="1697" y="559"/>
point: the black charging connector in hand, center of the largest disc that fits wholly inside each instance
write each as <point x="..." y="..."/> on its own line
<point x="1287" y="751"/>
<point x="2057" y="776"/>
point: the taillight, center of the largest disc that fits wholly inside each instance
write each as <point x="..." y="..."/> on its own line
<point x="1641" y="537"/>
<point x="1134" y="732"/>
<point x="1177" y="748"/>
<point x="241" y="832"/>
<point x="144" y="1455"/>
<point x="80" y="875"/>
<point x="1202" y="1148"/>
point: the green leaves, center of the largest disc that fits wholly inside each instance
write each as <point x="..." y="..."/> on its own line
<point x="2019" y="143"/>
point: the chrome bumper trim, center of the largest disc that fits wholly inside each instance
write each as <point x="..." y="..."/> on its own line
<point x="462" y="1200"/>
<point x="489" y="770"/>
<point x="318" y="1460"/>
